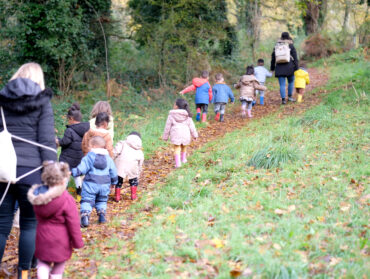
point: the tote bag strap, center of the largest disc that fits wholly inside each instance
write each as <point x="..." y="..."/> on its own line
<point x="3" y="118"/>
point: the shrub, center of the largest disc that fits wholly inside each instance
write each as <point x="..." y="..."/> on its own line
<point x="273" y="156"/>
<point x="317" y="46"/>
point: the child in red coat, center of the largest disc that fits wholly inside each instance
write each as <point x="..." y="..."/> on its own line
<point x="58" y="223"/>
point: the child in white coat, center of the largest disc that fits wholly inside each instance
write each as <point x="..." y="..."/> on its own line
<point x="129" y="158"/>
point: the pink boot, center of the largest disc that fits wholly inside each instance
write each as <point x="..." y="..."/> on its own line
<point x="204" y="117"/>
<point x="177" y="161"/>
<point x="183" y="157"/>
<point x="249" y="111"/>
<point x="217" y="117"/>
<point x="244" y="114"/>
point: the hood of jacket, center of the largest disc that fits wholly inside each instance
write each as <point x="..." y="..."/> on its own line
<point x="197" y="82"/>
<point x="80" y="128"/>
<point x="290" y="42"/>
<point x="23" y="95"/>
<point x="100" y="161"/>
<point x="134" y="141"/>
<point x="247" y="79"/>
<point x="43" y="195"/>
<point x="179" y="115"/>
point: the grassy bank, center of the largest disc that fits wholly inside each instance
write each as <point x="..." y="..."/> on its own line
<point x="225" y="214"/>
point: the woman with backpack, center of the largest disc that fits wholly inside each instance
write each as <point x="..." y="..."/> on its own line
<point x="284" y="62"/>
<point x="27" y="114"/>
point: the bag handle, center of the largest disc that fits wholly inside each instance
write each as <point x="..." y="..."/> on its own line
<point x="3" y="118"/>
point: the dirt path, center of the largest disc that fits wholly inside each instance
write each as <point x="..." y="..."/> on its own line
<point x="155" y="171"/>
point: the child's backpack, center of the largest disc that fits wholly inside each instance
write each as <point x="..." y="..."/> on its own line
<point x="8" y="157"/>
<point x="282" y="52"/>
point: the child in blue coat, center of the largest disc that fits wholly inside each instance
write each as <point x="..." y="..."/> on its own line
<point x="203" y="94"/>
<point x="261" y="73"/>
<point x="100" y="172"/>
<point x="221" y="95"/>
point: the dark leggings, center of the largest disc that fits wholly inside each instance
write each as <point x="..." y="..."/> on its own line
<point x="27" y="222"/>
<point x="203" y="107"/>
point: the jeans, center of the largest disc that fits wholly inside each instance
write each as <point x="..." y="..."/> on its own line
<point x="262" y="93"/>
<point x="27" y="222"/>
<point x="220" y="107"/>
<point x="290" y="86"/>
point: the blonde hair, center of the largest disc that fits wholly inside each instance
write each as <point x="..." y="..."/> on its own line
<point x="31" y="71"/>
<point x="101" y="106"/>
<point x="97" y="141"/>
<point x="54" y="173"/>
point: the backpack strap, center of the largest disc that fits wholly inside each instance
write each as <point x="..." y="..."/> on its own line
<point x="3" y="119"/>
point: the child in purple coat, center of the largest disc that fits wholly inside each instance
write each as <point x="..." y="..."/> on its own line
<point x="58" y="224"/>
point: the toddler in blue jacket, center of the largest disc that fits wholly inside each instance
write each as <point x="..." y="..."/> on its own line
<point x="221" y="95"/>
<point x="100" y="173"/>
<point x="260" y="72"/>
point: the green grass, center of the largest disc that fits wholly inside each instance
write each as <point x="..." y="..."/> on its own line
<point x="304" y="215"/>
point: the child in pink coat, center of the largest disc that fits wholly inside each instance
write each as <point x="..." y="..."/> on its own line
<point x="180" y="129"/>
<point x="58" y="224"/>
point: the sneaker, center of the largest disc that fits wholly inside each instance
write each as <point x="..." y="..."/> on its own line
<point x="283" y="101"/>
<point x="290" y="99"/>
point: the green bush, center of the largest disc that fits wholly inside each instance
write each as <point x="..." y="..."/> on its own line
<point x="273" y="156"/>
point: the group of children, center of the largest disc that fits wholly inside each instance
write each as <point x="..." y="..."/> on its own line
<point x="87" y="151"/>
<point x="250" y="84"/>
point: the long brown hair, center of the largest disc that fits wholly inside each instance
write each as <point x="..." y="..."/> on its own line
<point x="101" y="106"/>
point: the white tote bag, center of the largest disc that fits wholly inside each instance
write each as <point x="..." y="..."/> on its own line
<point x="8" y="157"/>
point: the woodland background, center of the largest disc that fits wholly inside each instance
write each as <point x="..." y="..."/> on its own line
<point x="128" y="46"/>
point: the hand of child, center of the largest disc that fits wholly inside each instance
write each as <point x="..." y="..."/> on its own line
<point x="56" y="141"/>
<point x="195" y="139"/>
<point x="181" y="93"/>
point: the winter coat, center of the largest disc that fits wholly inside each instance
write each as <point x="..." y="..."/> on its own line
<point x="97" y="132"/>
<point x="285" y="69"/>
<point x="203" y="90"/>
<point x="28" y="114"/>
<point x="301" y="78"/>
<point x="261" y="73"/>
<point x="99" y="170"/>
<point x="222" y="93"/>
<point x="248" y="84"/>
<point x="179" y="127"/>
<point x="71" y="143"/>
<point x="58" y="223"/>
<point x="129" y="157"/>
<point x="110" y="125"/>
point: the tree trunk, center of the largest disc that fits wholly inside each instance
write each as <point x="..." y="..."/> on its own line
<point x="252" y="17"/>
<point x="311" y="16"/>
<point x="347" y="11"/>
<point x="323" y="7"/>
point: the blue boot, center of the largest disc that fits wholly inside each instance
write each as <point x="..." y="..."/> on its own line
<point x="253" y="103"/>
<point x="102" y="219"/>
<point x="198" y="116"/>
<point x="261" y="100"/>
<point x="84" y="219"/>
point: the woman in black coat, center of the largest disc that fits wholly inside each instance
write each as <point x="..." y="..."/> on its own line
<point x="28" y="114"/>
<point x="285" y="70"/>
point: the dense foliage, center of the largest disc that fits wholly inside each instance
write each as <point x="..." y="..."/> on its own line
<point x="60" y="35"/>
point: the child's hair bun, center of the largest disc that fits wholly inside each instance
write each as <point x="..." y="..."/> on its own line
<point x="75" y="106"/>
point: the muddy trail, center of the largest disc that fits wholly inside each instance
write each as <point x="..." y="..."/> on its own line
<point x="155" y="171"/>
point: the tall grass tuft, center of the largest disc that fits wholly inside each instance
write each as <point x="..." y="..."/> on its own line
<point x="273" y="156"/>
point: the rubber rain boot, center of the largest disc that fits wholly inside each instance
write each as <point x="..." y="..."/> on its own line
<point x="84" y="219"/>
<point x="249" y="111"/>
<point x="102" y="219"/>
<point x="299" y="98"/>
<point x="244" y="113"/>
<point x="23" y="274"/>
<point x="253" y="103"/>
<point x="204" y="117"/>
<point x="56" y="276"/>
<point x="133" y="192"/>
<point x="221" y="118"/>
<point x="217" y="117"/>
<point x="262" y="100"/>
<point x="117" y="194"/>
<point x="198" y="114"/>
<point x="183" y="157"/>
<point x="177" y="161"/>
